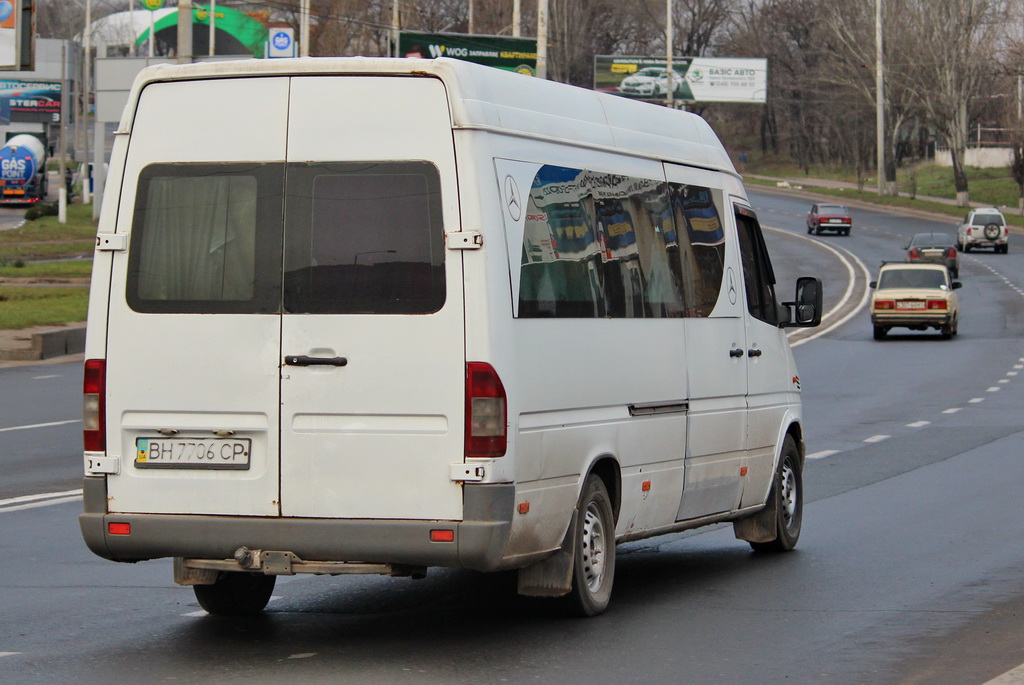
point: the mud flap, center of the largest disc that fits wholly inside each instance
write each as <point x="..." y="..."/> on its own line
<point x="762" y="526"/>
<point x="553" y="576"/>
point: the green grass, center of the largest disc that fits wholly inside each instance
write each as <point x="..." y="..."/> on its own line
<point x="10" y="254"/>
<point x="22" y="307"/>
<point x="79" y="226"/>
<point x="48" y="270"/>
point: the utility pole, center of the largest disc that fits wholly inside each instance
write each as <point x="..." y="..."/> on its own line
<point x="395" y="27"/>
<point x="879" y="96"/>
<point x="542" y="39"/>
<point x="517" y="18"/>
<point x="184" y="31"/>
<point x="304" y="28"/>
<point x="669" y="38"/>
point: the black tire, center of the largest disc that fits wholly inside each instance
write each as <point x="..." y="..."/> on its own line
<point x="593" y="551"/>
<point x="817" y="230"/>
<point x="788" y="489"/>
<point x="967" y="247"/>
<point x="236" y="593"/>
<point x="955" y="273"/>
<point x="947" y="331"/>
<point x="846" y="233"/>
<point x="992" y="231"/>
<point x="880" y="332"/>
<point x="810" y="228"/>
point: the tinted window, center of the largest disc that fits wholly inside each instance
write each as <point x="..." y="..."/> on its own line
<point x="931" y="240"/>
<point x="358" y="238"/>
<point x="758" y="276"/>
<point x="206" y="238"/>
<point x="606" y="245"/>
<point x="364" y="239"/>
<point x="982" y="219"/>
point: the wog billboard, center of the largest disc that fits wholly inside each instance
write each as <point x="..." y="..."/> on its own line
<point x="510" y="54"/>
<point x="694" y="79"/>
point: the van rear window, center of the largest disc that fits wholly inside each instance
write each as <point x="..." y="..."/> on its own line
<point x="328" y="238"/>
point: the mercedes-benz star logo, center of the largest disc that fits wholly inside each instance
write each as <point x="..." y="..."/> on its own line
<point x="515" y="210"/>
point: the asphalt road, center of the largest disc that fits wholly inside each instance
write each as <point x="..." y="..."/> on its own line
<point x="908" y="569"/>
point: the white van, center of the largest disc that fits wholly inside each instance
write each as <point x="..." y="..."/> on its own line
<point x="376" y="315"/>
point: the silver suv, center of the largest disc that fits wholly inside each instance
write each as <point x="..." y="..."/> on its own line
<point x="983" y="227"/>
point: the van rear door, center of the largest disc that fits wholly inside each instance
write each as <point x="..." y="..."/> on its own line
<point x="193" y="330"/>
<point x="372" y="391"/>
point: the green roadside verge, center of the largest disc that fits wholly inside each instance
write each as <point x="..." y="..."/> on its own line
<point x="44" y="270"/>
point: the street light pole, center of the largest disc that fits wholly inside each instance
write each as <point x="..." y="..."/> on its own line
<point x="669" y="37"/>
<point x="542" y="39"/>
<point x="879" y="96"/>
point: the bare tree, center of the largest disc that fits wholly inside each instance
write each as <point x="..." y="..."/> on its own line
<point x="956" y="41"/>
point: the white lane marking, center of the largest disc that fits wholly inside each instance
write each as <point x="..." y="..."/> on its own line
<point x="36" y="505"/>
<point x="1011" y="373"/>
<point x="952" y="410"/>
<point x="33" y="498"/>
<point x="52" y="375"/>
<point x="1003" y="380"/>
<point x="40" y="425"/>
<point x="849" y="286"/>
<point x="1012" y="677"/>
<point x="9" y="653"/>
<point x="918" y="424"/>
<point x="822" y="454"/>
<point x="975" y="400"/>
<point x="196" y="614"/>
<point x="302" y="655"/>
<point x="878" y="438"/>
<point x="1018" y="366"/>
<point x="993" y="389"/>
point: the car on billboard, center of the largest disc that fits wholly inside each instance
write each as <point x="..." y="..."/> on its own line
<point x="649" y="82"/>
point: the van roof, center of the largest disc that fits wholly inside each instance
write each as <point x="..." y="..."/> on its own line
<point x="485" y="98"/>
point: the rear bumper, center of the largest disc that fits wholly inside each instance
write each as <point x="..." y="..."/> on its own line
<point x="934" y="320"/>
<point x="479" y="542"/>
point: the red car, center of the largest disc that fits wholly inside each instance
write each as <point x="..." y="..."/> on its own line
<point x="828" y="217"/>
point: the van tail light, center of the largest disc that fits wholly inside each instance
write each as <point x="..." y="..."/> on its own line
<point x="94" y="414"/>
<point x="885" y="304"/>
<point x="486" y="412"/>
<point x="936" y="304"/>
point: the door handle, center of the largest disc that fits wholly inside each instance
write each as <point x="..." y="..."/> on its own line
<point x="303" y="360"/>
<point x="753" y="353"/>
<point x="736" y="352"/>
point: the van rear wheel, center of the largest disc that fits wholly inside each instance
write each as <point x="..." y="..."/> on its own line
<point x="236" y="593"/>
<point x="787" y="489"/>
<point x="594" y="551"/>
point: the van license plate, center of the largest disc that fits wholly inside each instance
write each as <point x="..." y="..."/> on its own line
<point x="192" y="453"/>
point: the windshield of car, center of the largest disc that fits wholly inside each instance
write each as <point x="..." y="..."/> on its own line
<point x="651" y="71"/>
<point x="931" y="240"/>
<point x="981" y="219"/>
<point x="912" y="278"/>
<point x="831" y="209"/>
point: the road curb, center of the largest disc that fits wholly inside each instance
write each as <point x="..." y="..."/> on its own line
<point x="35" y="344"/>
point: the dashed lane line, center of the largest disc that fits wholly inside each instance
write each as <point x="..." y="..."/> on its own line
<point x="40" y="425"/>
<point x="918" y="424"/>
<point x="878" y="438"/>
<point x="822" y="454"/>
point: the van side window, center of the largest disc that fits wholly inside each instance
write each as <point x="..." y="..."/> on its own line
<point x="605" y="245"/>
<point x="364" y="238"/>
<point x="758" y="275"/>
<point x="206" y="238"/>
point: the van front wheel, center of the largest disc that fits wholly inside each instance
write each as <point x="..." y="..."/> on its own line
<point x="236" y="593"/>
<point x="594" y="551"/>
<point x="787" y="489"/>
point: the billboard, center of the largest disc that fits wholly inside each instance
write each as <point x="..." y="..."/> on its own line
<point x="17" y="30"/>
<point x="695" y="79"/>
<point x="31" y="100"/>
<point x="502" y="52"/>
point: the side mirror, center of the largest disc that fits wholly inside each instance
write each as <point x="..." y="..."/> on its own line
<point x="805" y="312"/>
<point x="957" y="285"/>
<point x="873" y="284"/>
